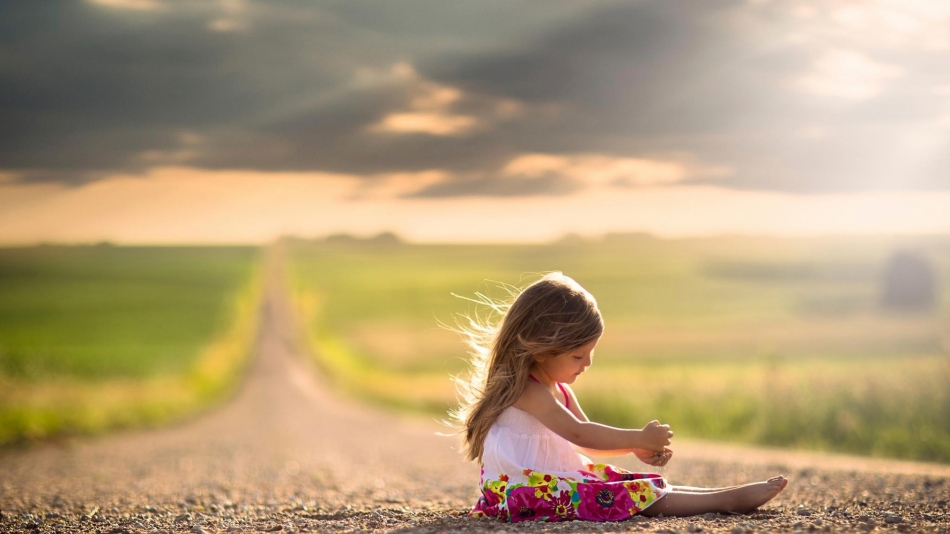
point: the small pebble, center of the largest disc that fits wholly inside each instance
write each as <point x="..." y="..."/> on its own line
<point x="804" y="512"/>
<point x="893" y="519"/>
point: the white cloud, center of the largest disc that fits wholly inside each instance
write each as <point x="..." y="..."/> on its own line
<point x="847" y="74"/>
<point x="429" y="110"/>
<point x="397" y="184"/>
<point x="138" y="5"/>
<point x="896" y="24"/>
<point x="597" y="169"/>
<point x="432" y="123"/>
<point x="812" y="132"/>
<point x="234" y="16"/>
<point x="604" y="170"/>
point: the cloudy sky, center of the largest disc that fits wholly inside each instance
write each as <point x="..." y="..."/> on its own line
<point x="240" y="120"/>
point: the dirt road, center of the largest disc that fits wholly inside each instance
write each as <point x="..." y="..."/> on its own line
<point x="288" y="455"/>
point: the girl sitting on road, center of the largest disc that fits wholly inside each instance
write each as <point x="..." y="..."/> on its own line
<point x="522" y="422"/>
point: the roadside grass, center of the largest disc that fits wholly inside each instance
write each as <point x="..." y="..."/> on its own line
<point x="94" y="338"/>
<point x="771" y="341"/>
<point x="893" y="407"/>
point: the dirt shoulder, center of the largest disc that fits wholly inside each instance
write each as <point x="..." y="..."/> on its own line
<point x="287" y="455"/>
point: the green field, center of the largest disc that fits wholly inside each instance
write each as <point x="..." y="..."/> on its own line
<point x="99" y="337"/>
<point x="773" y="341"/>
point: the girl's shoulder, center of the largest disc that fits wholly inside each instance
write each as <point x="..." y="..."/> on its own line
<point x="541" y="404"/>
<point x="533" y="398"/>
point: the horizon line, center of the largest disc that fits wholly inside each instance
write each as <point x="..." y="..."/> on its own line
<point x="390" y="237"/>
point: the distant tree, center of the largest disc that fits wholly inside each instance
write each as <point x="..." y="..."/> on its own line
<point x="385" y="238"/>
<point x="910" y="283"/>
<point x="341" y="238"/>
<point x="628" y="237"/>
<point x="571" y="239"/>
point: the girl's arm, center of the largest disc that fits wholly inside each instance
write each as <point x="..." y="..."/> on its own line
<point x="575" y="408"/>
<point x="656" y="459"/>
<point x="539" y="402"/>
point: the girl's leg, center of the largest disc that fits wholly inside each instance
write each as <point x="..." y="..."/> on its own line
<point x="693" y="489"/>
<point x="739" y="499"/>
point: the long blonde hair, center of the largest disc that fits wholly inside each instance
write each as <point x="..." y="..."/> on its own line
<point x="552" y="316"/>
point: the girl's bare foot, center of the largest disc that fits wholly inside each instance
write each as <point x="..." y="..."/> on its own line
<point x="751" y="496"/>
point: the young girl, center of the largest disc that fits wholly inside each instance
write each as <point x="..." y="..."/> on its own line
<point x="522" y="422"/>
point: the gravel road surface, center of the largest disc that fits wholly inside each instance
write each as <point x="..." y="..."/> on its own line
<point x="287" y="454"/>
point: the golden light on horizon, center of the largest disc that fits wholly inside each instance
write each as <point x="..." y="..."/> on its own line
<point x="181" y="205"/>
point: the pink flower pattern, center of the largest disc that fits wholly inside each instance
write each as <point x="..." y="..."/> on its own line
<point x="600" y="493"/>
<point x="563" y="508"/>
<point x="604" y="501"/>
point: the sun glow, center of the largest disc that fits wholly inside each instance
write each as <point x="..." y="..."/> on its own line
<point x="182" y="205"/>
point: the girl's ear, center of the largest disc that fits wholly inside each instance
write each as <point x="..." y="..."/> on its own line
<point x="539" y="358"/>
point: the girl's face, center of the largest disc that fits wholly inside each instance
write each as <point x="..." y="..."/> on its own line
<point x="568" y="366"/>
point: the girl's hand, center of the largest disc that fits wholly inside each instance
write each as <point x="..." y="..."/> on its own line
<point x="656" y="436"/>
<point x="656" y="459"/>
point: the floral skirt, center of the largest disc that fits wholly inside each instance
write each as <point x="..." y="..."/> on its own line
<point x="602" y="493"/>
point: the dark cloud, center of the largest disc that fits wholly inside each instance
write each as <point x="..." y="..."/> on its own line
<point x="87" y="90"/>
<point x="90" y="89"/>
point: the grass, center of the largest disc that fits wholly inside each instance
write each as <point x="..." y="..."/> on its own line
<point x="772" y="341"/>
<point x="99" y="337"/>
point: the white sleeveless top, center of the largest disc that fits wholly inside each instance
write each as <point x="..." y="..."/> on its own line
<point x="518" y="441"/>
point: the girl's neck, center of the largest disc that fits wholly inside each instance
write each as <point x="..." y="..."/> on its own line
<point x="551" y="385"/>
<point x="541" y="377"/>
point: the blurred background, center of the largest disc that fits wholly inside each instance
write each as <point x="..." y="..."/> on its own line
<point x="756" y="192"/>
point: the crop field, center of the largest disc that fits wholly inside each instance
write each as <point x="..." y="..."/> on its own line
<point x="98" y="337"/>
<point x="786" y="342"/>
